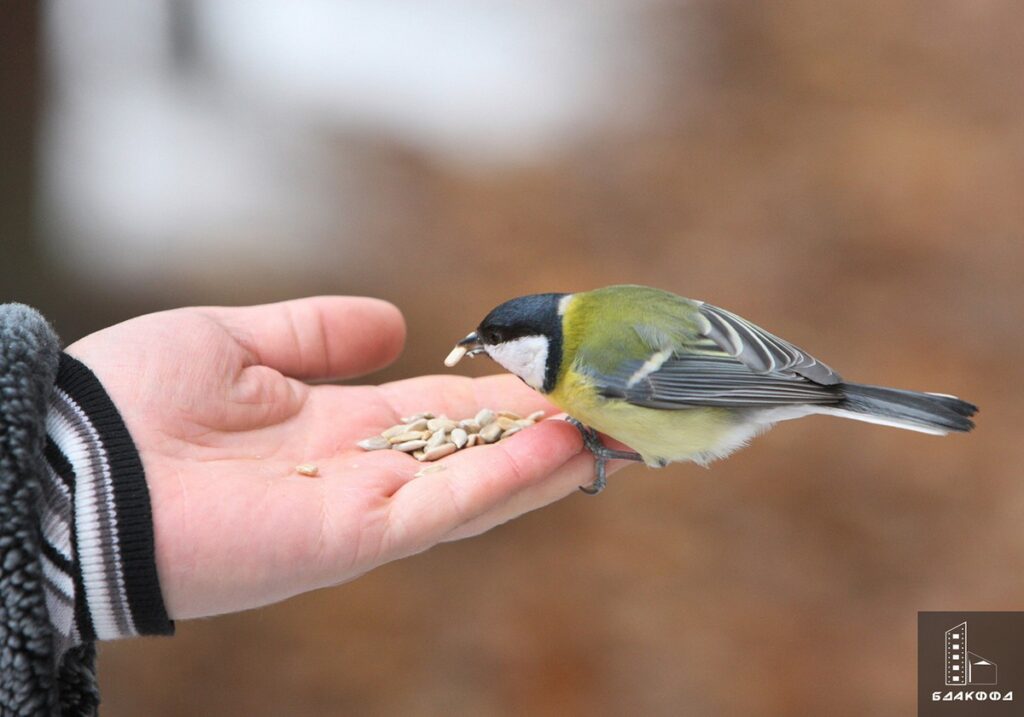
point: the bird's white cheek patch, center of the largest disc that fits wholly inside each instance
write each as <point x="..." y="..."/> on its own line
<point x="526" y="357"/>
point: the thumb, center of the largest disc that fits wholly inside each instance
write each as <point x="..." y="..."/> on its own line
<point x="320" y="337"/>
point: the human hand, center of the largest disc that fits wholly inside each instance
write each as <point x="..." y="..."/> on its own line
<point x="216" y="403"/>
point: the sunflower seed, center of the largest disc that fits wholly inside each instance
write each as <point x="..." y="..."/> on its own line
<point x="374" y="443"/>
<point x="419" y="455"/>
<point x="505" y="422"/>
<point x="417" y="416"/>
<point x="490" y="433"/>
<point x="394" y="431"/>
<point x="535" y="416"/>
<point x="459" y="437"/>
<point x="439" y="424"/>
<point x="435" y="440"/>
<point x="470" y="425"/>
<point x="455" y="356"/>
<point x="473" y="439"/>
<point x="408" y="436"/>
<point x="420" y="424"/>
<point x="439" y="452"/>
<point x="410" y="446"/>
<point x="511" y="431"/>
<point x="308" y="469"/>
<point x="485" y="416"/>
<point x="509" y="414"/>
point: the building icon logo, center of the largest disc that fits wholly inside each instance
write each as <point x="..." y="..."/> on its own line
<point x="964" y="667"/>
<point x="971" y="685"/>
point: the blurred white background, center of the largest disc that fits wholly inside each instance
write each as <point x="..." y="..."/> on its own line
<point x="180" y="133"/>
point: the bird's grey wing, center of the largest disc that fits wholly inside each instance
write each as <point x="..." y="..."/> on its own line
<point x="686" y="380"/>
<point x="760" y="351"/>
<point x="728" y="362"/>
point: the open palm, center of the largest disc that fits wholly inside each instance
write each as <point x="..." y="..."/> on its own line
<point x="217" y="402"/>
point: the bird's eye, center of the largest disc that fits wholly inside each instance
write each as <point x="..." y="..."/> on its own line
<point x="491" y="336"/>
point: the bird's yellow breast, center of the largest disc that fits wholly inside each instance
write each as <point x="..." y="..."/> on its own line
<point x="658" y="435"/>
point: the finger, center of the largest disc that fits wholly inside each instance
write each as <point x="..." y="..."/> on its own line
<point x="567" y="480"/>
<point x="430" y="508"/>
<point x="320" y="337"/>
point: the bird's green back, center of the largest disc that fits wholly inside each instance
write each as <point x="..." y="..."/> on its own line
<point x="606" y="327"/>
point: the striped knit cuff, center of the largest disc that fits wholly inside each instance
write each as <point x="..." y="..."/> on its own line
<point x="117" y="591"/>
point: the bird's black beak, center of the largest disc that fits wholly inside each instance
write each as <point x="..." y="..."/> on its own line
<point x="471" y="342"/>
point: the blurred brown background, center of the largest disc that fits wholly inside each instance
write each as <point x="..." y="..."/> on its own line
<point x="848" y="174"/>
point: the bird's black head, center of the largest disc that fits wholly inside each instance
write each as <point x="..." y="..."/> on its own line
<point x="525" y="336"/>
<point x="534" y="315"/>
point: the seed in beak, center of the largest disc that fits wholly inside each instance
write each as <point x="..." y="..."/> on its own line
<point x="469" y="345"/>
<point x="455" y="356"/>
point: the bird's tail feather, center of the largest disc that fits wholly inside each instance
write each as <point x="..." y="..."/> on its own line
<point x="925" y="412"/>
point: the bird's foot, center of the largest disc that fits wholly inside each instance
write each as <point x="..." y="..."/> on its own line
<point x="602" y="455"/>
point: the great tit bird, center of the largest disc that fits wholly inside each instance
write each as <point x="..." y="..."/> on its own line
<point x="677" y="379"/>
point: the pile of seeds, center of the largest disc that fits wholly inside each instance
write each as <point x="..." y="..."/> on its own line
<point x="429" y="437"/>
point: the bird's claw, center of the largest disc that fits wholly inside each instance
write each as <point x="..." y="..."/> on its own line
<point x="601" y="454"/>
